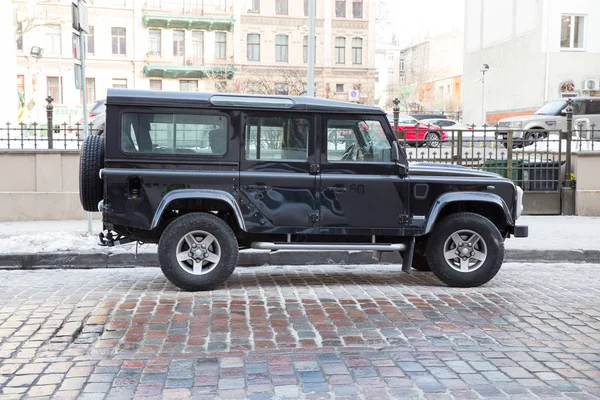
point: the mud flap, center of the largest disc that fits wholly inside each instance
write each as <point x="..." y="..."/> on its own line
<point x="407" y="255"/>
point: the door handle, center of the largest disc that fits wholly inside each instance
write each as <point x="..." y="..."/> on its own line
<point x="256" y="188"/>
<point x="338" y="189"/>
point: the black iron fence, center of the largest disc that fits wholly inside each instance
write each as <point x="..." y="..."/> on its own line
<point x="37" y="136"/>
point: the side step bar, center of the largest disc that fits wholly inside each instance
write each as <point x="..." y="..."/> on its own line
<point x="381" y="247"/>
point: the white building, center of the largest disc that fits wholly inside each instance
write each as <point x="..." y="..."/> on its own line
<point x="390" y="74"/>
<point x="537" y="50"/>
<point x="190" y="45"/>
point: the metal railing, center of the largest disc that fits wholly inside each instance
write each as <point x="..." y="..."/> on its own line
<point x="35" y="136"/>
<point x="190" y="7"/>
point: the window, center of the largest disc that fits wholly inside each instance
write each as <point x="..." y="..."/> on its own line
<point x="155" y="84"/>
<point x="277" y="138"/>
<point x="390" y="72"/>
<point x="90" y="91"/>
<point x="174" y="134"/>
<point x="198" y="47"/>
<point x="253" y="47"/>
<point x="391" y="57"/>
<point x="357" y="8"/>
<point x="402" y="80"/>
<point x="457" y="88"/>
<point x="254" y="6"/>
<point x="357" y="140"/>
<point x="119" y="46"/>
<point x="53" y="39"/>
<point x="401" y="66"/>
<point x="572" y="29"/>
<point x="594" y="108"/>
<point x="357" y="51"/>
<point x="119" y="83"/>
<point x="281" y="7"/>
<point x="306" y="8"/>
<point x="188" y="86"/>
<point x="340" y="50"/>
<point x="154" y="45"/>
<point x="179" y="46"/>
<point x="21" y="83"/>
<point x="220" y="45"/>
<point x="305" y="49"/>
<point x="339" y="88"/>
<point x="20" y="36"/>
<point x="281" y="48"/>
<point x="91" y="48"/>
<point x="55" y="91"/>
<point x="340" y="8"/>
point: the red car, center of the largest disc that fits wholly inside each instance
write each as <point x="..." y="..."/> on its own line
<point x="429" y="135"/>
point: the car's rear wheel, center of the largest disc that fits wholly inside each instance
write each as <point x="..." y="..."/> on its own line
<point x="465" y="250"/>
<point x="91" y="189"/>
<point x="433" y="140"/>
<point x="198" y="251"/>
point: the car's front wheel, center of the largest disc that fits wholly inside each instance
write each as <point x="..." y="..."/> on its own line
<point x="198" y="251"/>
<point x="465" y="250"/>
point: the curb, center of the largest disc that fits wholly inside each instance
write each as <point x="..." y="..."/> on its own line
<point x="257" y="259"/>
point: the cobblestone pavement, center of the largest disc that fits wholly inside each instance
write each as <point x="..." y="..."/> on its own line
<point x="339" y="332"/>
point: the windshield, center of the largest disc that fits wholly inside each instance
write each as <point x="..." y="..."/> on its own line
<point x="552" y="108"/>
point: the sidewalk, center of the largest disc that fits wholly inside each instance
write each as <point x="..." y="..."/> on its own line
<point x="67" y="244"/>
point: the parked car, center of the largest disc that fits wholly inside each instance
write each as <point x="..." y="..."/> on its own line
<point x="96" y="118"/>
<point x="431" y="136"/>
<point x="550" y="118"/>
<point x="154" y="182"/>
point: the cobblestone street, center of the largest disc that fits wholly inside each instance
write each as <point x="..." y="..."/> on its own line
<point x="339" y="332"/>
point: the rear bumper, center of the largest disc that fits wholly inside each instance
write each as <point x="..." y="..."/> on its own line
<point x="521" y="231"/>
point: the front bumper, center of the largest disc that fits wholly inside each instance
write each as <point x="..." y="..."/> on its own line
<point x="521" y="231"/>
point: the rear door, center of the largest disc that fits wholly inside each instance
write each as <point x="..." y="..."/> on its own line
<point x="360" y="190"/>
<point x="277" y="173"/>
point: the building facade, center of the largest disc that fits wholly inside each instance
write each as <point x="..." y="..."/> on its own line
<point x="536" y="50"/>
<point x="433" y="73"/>
<point x="389" y="76"/>
<point x="243" y="46"/>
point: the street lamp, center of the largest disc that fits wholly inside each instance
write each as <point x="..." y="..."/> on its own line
<point x="485" y="69"/>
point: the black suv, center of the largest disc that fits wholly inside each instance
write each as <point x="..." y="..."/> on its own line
<point x="205" y="175"/>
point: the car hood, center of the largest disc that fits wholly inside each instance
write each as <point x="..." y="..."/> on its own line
<point x="435" y="169"/>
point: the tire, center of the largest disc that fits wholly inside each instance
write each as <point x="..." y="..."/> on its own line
<point x="433" y="140"/>
<point x="91" y="188"/>
<point x="187" y="274"/>
<point x="420" y="262"/>
<point x="474" y="271"/>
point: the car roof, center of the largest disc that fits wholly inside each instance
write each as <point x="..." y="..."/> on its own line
<point x="203" y="100"/>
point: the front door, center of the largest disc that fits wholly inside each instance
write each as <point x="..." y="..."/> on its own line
<point x="361" y="190"/>
<point x="277" y="187"/>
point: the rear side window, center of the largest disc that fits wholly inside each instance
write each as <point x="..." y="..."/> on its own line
<point x="174" y="134"/>
<point x="595" y="107"/>
<point x="277" y="138"/>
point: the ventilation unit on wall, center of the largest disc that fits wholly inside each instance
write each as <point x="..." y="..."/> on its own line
<point x="590" y="85"/>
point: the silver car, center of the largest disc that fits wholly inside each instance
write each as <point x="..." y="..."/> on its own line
<point x="549" y="118"/>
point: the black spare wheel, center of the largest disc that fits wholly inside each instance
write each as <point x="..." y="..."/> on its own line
<point x="91" y="162"/>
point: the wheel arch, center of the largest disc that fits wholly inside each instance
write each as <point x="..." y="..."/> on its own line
<point x="488" y="205"/>
<point x="177" y="196"/>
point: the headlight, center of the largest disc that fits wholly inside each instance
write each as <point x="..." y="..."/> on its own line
<point x="519" y="199"/>
<point x="518" y="125"/>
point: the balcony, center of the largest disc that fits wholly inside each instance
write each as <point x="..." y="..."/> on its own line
<point x="208" y="15"/>
<point x="193" y="68"/>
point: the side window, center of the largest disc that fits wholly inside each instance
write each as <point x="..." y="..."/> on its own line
<point x="357" y="140"/>
<point x="174" y="134"/>
<point x="594" y="107"/>
<point x="579" y="107"/>
<point x="277" y="138"/>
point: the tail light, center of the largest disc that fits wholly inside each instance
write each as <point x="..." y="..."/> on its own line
<point x="92" y="115"/>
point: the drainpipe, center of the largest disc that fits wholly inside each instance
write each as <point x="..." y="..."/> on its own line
<point x="547" y="67"/>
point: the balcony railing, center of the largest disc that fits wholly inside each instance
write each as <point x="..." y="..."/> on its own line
<point x="190" y="7"/>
